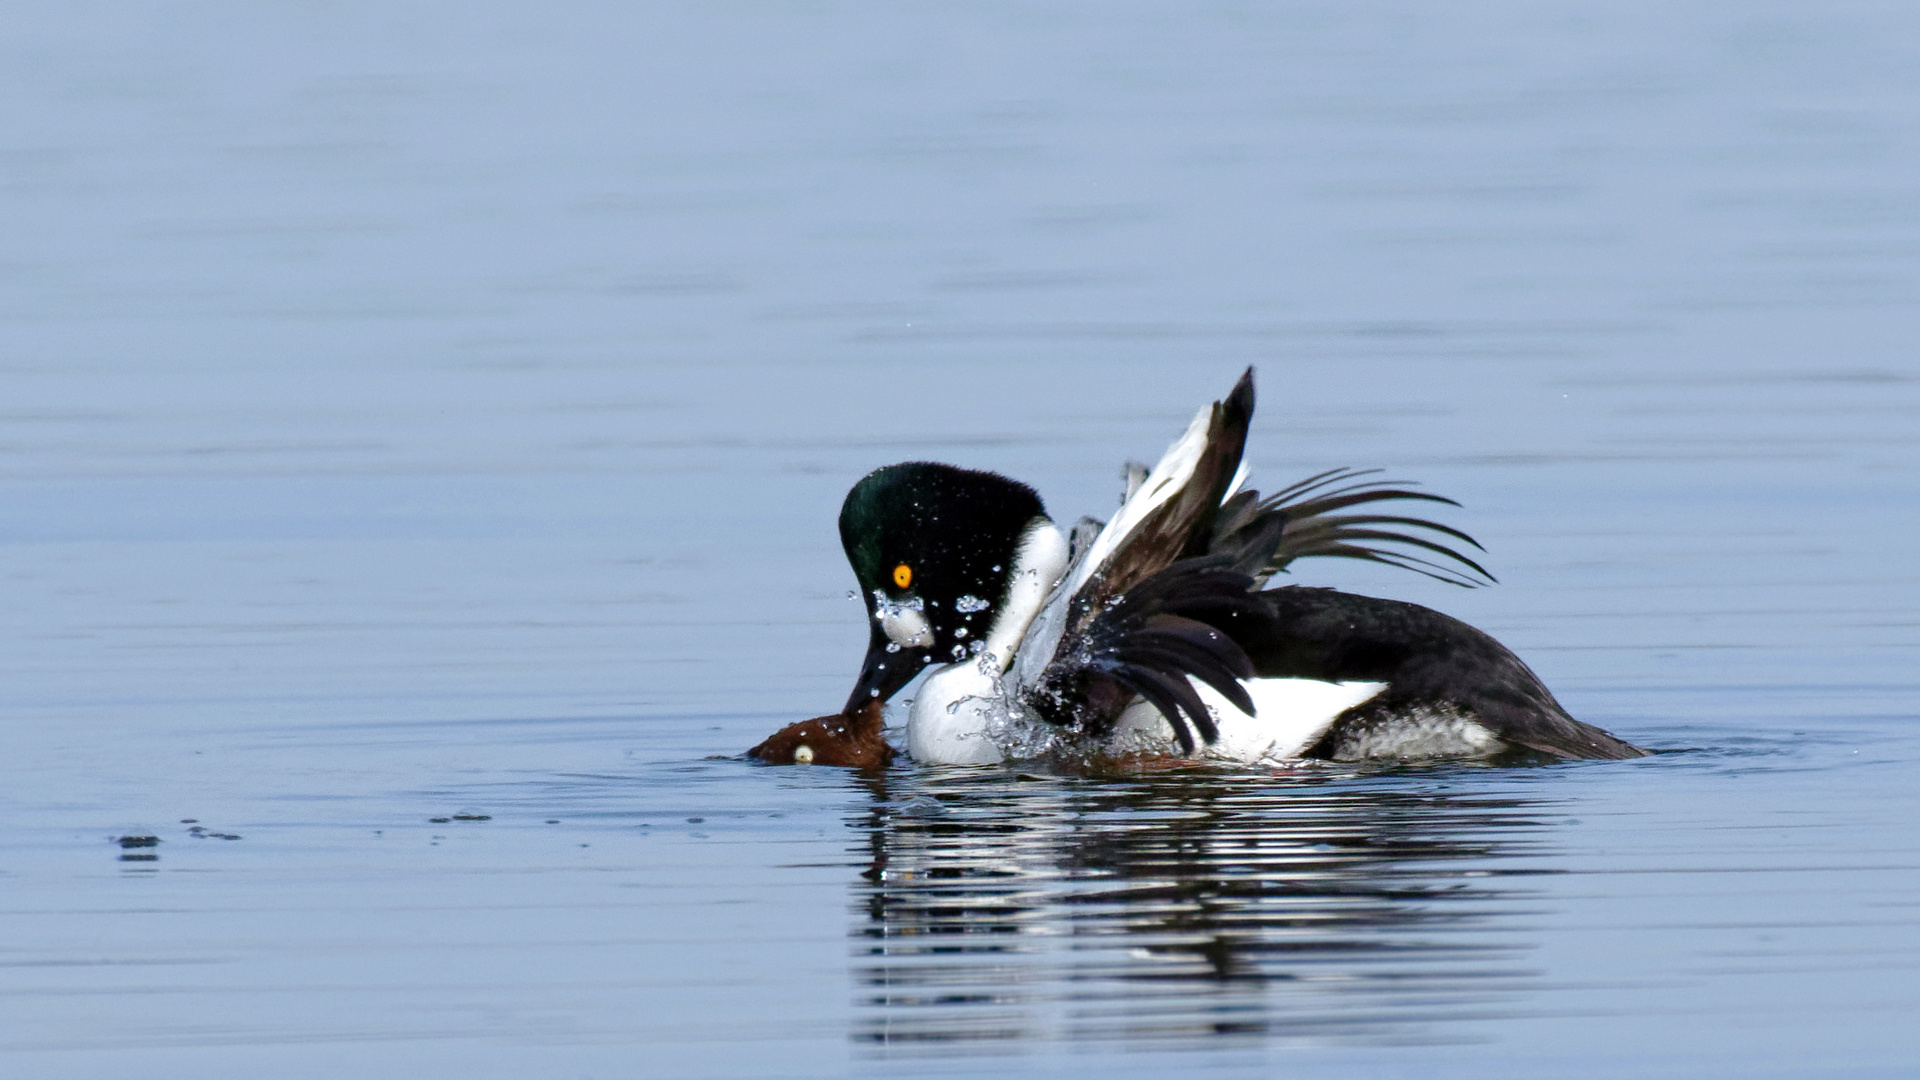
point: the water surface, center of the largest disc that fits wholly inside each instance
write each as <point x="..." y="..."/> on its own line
<point x="412" y="413"/>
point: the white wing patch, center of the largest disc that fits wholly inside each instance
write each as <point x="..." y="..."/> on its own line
<point x="1165" y="480"/>
<point x="1290" y="716"/>
<point x="1240" y="476"/>
<point x="1174" y="472"/>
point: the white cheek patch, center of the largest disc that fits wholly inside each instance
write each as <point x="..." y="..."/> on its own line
<point x="907" y="629"/>
<point x="902" y="620"/>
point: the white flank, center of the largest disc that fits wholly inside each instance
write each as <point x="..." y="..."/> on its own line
<point x="1424" y="733"/>
<point x="1290" y="716"/>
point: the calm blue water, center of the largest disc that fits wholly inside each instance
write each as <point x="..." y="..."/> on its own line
<point x="410" y="412"/>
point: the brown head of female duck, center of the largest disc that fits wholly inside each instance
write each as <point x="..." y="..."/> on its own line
<point x="850" y="739"/>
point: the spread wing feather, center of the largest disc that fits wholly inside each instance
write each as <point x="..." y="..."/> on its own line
<point x="1312" y="527"/>
<point x="1164" y="594"/>
<point x="1182" y="622"/>
<point x="1170" y="511"/>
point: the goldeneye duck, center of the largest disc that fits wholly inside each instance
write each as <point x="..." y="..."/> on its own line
<point x="1154" y="634"/>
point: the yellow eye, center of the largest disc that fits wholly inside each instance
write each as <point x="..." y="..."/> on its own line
<point x="903" y="575"/>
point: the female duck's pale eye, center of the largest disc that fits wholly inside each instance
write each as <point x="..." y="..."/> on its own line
<point x="803" y="754"/>
<point x="902" y="576"/>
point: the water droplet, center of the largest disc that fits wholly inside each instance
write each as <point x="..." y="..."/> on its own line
<point x="893" y="646"/>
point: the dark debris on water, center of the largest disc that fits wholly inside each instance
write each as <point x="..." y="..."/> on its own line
<point x="202" y="833"/>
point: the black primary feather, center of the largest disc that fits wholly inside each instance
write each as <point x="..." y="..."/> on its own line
<point x="1312" y="527"/>
<point x="1184" y="621"/>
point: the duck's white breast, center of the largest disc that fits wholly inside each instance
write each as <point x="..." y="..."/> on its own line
<point x="948" y="723"/>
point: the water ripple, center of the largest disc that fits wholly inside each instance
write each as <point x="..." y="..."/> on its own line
<point x="1184" y="907"/>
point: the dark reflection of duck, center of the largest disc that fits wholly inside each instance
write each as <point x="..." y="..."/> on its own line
<point x="1187" y="905"/>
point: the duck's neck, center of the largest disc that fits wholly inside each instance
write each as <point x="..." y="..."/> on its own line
<point x="948" y="724"/>
<point x="1037" y="564"/>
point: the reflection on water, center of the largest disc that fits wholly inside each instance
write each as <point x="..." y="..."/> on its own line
<point x="1325" y="906"/>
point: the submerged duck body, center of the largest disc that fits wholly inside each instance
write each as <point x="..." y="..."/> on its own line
<point x="1153" y="634"/>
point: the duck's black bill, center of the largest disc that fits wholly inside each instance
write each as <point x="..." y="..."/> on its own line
<point x="884" y="673"/>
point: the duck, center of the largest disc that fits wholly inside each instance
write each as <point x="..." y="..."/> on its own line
<point x="854" y="739"/>
<point x="1157" y="634"/>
